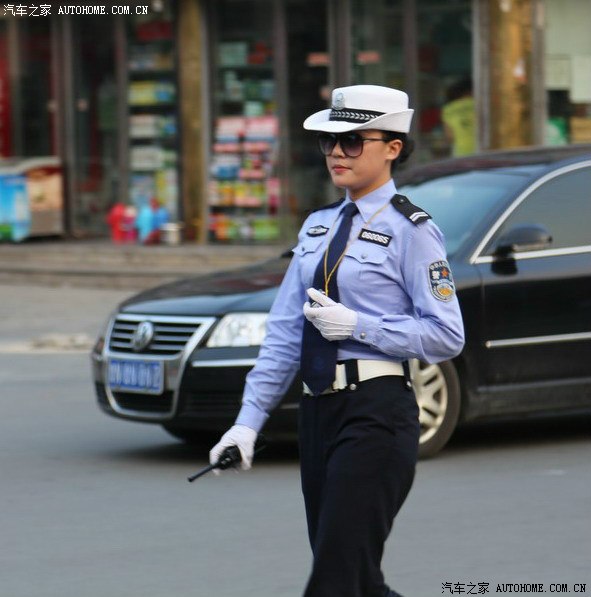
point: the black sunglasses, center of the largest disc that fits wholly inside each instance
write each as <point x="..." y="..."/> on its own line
<point x="350" y="143"/>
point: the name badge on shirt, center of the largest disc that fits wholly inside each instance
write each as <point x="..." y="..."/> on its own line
<point x="378" y="238"/>
<point x="317" y="230"/>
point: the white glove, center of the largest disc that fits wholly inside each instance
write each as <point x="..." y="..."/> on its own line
<point x="333" y="320"/>
<point x="240" y="436"/>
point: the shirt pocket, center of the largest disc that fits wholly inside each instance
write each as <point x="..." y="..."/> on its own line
<point x="309" y="251"/>
<point x="367" y="259"/>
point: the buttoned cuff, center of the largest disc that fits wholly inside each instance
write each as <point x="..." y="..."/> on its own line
<point x="366" y="329"/>
<point x="252" y="417"/>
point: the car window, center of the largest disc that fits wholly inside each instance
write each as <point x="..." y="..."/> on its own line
<point x="562" y="205"/>
<point x="457" y="203"/>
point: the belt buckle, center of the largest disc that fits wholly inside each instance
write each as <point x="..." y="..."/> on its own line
<point x="340" y="382"/>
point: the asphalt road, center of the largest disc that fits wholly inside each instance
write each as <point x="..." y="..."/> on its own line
<point x="95" y="507"/>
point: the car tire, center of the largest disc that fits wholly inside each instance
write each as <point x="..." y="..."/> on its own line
<point x="437" y="390"/>
<point x="193" y="437"/>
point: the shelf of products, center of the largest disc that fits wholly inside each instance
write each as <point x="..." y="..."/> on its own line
<point x="244" y="188"/>
<point x="243" y="192"/>
<point x="152" y="116"/>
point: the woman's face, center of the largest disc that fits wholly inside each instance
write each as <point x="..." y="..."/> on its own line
<point x="366" y="172"/>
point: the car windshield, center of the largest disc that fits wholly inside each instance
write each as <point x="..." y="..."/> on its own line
<point x="459" y="202"/>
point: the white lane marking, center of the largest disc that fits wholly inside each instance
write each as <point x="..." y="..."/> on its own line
<point x="49" y="344"/>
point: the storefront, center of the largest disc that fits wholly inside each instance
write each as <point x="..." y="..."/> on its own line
<point x="31" y="177"/>
<point x="274" y="62"/>
<point x="197" y="106"/>
<point x="119" y="103"/>
<point x="107" y="111"/>
<point x="567" y="59"/>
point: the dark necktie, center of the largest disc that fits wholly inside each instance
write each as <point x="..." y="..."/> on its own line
<point x="319" y="356"/>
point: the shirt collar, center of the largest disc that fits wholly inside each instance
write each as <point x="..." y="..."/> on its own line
<point x="370" y="203"/>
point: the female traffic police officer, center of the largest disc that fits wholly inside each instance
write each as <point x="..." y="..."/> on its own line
<point x="368" y="288"/>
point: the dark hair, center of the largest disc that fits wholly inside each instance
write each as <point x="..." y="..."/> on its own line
<point x="408" y="146"/>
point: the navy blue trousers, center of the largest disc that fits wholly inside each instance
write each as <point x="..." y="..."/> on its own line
<point x="358" y="452"/>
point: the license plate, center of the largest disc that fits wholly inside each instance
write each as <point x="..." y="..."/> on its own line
<point x="144" y="377"/>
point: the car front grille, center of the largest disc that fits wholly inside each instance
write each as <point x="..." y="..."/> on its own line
<point x="144" y="403"/>
<point x="168" y="336"/>
<point x="136" y="402"/>
<point x="192" y="405"/>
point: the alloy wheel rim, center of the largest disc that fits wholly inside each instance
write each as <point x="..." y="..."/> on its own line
<point x="431" y="393"/>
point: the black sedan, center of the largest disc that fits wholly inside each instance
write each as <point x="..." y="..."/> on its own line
<point x="518" y="232"/>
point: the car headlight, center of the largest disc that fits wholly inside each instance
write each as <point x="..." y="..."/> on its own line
<point x="239" y="329"/>
<point x="99" y="345"/>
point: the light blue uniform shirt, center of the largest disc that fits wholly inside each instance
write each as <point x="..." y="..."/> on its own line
<point x="402" y="311"/>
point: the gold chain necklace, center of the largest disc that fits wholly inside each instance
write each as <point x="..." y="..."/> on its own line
<point x="329" y="275"/>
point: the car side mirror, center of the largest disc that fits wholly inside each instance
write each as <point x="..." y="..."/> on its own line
<point x="524" y="237"/>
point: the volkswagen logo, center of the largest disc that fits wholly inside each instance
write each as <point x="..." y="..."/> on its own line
<point x="142" y="336"/>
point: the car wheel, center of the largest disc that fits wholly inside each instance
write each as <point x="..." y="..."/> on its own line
<point x="192" y="436"/>
<point x="437" y="389"/>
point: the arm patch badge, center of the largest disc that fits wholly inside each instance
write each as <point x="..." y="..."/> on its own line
<point x="441" y="281"/>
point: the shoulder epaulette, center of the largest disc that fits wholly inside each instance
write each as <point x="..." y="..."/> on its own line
<point x="329" y="206"/>
<point x="415" y="214"/>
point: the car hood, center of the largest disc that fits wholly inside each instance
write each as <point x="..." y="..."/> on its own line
<point x="246" y="289"/>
